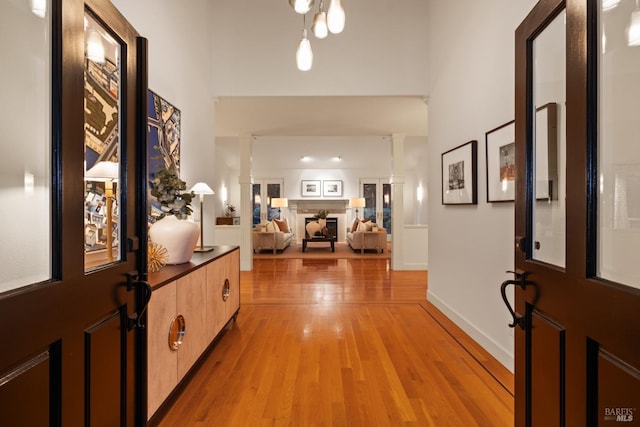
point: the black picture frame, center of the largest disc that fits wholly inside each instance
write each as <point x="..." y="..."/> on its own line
<point x="459" y="175"/>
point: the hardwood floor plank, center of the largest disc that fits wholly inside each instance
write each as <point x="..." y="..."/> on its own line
<point x="346" y="343"/>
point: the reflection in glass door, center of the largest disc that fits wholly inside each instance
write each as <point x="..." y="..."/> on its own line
<point x="102" y="145"/>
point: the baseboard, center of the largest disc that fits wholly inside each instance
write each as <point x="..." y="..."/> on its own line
<point x="411" y="266"/>
<point x="504" y="356"/>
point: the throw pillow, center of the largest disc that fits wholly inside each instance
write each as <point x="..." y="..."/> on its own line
<point x="271" y="227"/>
<point x="282" y="225"/>
<point x="354" y="227"/>
<point x="364" y="226"/>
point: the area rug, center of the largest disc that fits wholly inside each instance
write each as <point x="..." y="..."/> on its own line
<point x="318" y="251"/>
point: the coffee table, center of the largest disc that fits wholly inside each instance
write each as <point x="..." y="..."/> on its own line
<point x="325" y="239"/>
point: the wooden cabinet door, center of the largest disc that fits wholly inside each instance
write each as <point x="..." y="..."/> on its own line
<point x="191" y="302"/>
<point x="215" y="306"/>
<point x="162" y="362"/>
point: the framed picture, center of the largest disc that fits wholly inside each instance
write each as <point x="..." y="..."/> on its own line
<point x="546" y="147"/>
<point x="459" y="173"/>
<point x="501" y="163"/>
<point x="311" y="188"/>
<point x="332" y="188"/>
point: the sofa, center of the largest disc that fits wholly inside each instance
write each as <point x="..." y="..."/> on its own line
<point x="367" y="235"/>
<point x="273" y="236"/>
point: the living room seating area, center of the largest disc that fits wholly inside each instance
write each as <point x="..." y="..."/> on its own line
<point x="366" y="235"/>
<point x="274" y="236"/>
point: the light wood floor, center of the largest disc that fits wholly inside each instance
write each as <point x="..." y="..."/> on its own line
<point x="342" y="343"/>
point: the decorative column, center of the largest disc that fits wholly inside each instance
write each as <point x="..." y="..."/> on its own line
<point x="397" y="200"/>
<point x="246" y="207"/>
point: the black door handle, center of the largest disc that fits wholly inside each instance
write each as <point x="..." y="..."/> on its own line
<point x="521" y="280"/>
<point x="135" y="319"/>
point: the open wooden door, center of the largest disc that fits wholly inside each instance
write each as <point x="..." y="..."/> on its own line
<point x="72" y="291"/>
<point x="577" y="297"/>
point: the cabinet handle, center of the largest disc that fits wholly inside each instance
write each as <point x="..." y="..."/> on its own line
<point x="226" y="290"/>
<point x="176" y="332"/>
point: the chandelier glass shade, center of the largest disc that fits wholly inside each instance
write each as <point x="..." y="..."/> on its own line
<point x="304" y="54"/>
<point x="301" y="6"/>
<point x="319" y="26"/>
<point x="336" y="16"/>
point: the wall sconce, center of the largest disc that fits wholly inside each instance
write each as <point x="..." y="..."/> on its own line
<point x="201" y="189"/>
<point x="420" y="193"/>
<point x="223" y="194"/>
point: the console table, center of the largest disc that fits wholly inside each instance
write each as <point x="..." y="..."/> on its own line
<point x="327" y="239"/>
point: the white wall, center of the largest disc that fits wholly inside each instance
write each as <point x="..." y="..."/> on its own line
<point x="382" y="50"/>
<point x="472" y="91"/>
<point x="180" y="70"/>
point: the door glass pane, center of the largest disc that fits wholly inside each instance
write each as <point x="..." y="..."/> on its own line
<point x="386" y="207"/>
<point x="25" y="145"/>
<point x="102" y="145"/>
<point x="369" y="192"/>
<point x="273" y="191"/>
<point x="618" y="148"/>
<point x="549" y="206"/>
<point x="257" y="204"/>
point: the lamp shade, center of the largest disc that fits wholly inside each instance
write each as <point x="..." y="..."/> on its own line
<point x="103" y="171"/>
<point x="201" y="188"/>
<point x="278" y="202"/>
<point x="95" y="48"/>
<point x="357" y="202"/>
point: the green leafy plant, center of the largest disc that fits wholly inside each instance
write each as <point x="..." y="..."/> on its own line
<point x="322" y="214"/>
<point x="169" y="189"/>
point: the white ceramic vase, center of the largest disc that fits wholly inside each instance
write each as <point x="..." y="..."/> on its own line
<point x="312" y="227"/>
<point x="178" y="236"/>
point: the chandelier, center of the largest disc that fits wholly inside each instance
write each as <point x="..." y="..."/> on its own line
<point x="331" y="21"/>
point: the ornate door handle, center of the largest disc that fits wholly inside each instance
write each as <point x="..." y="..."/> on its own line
<point x="135" y="319"/>
<point x="520" y="280"/>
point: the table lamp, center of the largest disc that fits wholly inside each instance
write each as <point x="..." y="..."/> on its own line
<point x="357" y="202"/>
<point x="279" y="202"/>
<point x="201" y="189"/>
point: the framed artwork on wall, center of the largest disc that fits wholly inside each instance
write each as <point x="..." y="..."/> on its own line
<point x="501" y="163"/>
<point x="163" y="142"/>
<point x="310" y="188"/>
<point x="332" y="188"/>
<point x="459" y="175"/>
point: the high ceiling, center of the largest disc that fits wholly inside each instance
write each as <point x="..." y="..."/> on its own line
<point x="321" y="116"/>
